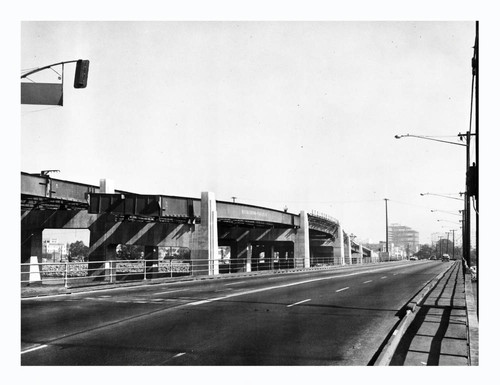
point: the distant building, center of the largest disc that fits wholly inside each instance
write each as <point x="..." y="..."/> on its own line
<point x="54" y="251"/>
<point x="404" y="240"/>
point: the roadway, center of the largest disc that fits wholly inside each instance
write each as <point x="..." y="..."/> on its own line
<point x="330" y="317"/>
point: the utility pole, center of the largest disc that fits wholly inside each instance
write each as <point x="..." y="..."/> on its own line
<point x="386" y="230"/>
<point x="453" y="251"/>
<point x="477" y="160"/>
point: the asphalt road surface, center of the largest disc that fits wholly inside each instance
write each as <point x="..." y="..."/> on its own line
<point x="330" y="317"/>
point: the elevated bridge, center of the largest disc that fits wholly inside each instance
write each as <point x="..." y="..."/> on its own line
<point x="256" y="238"/>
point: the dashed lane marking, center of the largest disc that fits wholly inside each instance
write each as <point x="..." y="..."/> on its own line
<point x="168" y="292"/>
<point x="384" y="277"/>
<point x="178" y="355"/>
<point x="33" y="349"/>
<point x="298" y="303"/>
<point x="344" y="288"/>
<point x="205" y="301"/>
<point x="368" y="281"/>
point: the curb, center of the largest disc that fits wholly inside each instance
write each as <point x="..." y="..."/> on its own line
<point x="472" y="323"/>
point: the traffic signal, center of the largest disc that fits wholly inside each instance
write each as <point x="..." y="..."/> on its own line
<point x="81" y="73"/>
<point x="472" y="180"/>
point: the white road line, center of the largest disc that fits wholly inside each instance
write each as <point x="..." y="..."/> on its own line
<point x="345" y="288"/>
<point x="178" y="355"/>
<point x="298" y="303"/>
<point x="170" y="291"/>
<point x="368" y="281"/>
<point x="235" y="283"/>
<point x="384" y="277"/>
<point x="33" y="349"/>
<point x="202" y="302"/>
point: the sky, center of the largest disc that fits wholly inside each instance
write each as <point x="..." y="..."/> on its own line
<point x="295" y="114"/>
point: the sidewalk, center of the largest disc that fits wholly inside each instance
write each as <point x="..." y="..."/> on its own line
<point x="444" y="327"/>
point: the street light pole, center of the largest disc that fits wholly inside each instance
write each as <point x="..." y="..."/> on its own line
<point x="446" y="212"/>
<point x="444" y="196"/>
<point x="428" y="138"/>
<point x="466" y="230"/>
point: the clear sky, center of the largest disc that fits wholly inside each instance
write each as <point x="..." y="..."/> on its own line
<point x="296" y="114"/>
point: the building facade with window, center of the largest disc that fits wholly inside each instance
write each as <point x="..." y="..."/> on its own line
<point x="404" y="240"/>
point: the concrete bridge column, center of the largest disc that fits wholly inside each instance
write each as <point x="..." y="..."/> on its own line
<point x="301" y="244"/>
<point x="31" y="245"/>
<point x="249" y="258"/>
<point x="349" y="250"/>
<point x="205" y="249"/>
<point x="338" y="247"/>
<point x="31" y="252"/>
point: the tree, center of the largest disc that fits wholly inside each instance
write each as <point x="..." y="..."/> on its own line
<point x="424" y="252"/>
<point x="78" y="251"/>
<point x="129" y="252"/>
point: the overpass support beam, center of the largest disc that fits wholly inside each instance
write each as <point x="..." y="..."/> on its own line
<point x="339" y="247"/>
<point x="31" y="246"/>
<point x="205" y="252"/>
<point x="301" y="245"/>
<point x="349" y="250"/>
<point x="249" y="258"/>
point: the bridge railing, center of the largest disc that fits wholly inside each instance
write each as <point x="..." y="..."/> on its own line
<point x="75" y="274"/>
<point x="80" y="273"/>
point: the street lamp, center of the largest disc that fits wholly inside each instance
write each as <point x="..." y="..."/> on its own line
<point x="429" y="138"/>
<point x="444" y="220"/>
<point x="466" y="230"/>
<point x="444" y="196"/>
<point x="446" y="212"/>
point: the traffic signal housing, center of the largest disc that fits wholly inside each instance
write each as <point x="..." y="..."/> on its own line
<point x="81" y="73"/>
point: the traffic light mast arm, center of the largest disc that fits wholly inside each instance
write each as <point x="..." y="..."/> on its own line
<point x="46" y="67"/>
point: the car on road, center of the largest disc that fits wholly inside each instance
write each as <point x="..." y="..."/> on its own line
<point x="413" y="259"/>
<point x="445" y="258"/>
<point x="433" y="258"/>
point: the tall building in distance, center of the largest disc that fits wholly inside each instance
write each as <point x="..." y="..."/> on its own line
<point x="404" y="241"/>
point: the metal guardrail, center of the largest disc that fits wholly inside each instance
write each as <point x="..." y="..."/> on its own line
<point x="73" y="274"/>
<point x="79" y="273"/>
